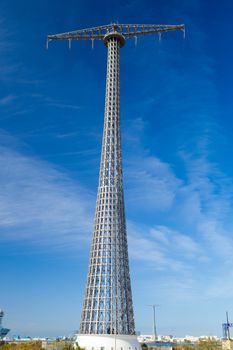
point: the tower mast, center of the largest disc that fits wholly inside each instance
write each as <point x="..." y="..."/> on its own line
<point x="154" y="322"/>
<point x="108" y="307"/>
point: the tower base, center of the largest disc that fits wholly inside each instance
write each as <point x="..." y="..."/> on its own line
<point x="107" y="342"/>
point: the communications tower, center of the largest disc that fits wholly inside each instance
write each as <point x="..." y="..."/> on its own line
<point x="107" y="321"/>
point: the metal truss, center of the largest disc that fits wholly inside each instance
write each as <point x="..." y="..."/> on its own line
<point x="108" y="306"/>
<point x="126" y="30"/>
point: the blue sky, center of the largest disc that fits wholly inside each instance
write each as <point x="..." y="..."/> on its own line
<point x="176" y="103"/>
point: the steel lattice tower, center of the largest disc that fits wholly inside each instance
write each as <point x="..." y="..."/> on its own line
<point x="108" y="301"/>
<point x="108" y="307"/>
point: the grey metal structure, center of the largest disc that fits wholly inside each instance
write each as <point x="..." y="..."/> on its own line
<point x="3" y="331"/>
<point x="154" y="323"/>
<point x="226" y="328"/>
<point x="108" y="306"/>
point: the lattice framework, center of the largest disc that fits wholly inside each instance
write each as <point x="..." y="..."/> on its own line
<point x="108" y="306"/>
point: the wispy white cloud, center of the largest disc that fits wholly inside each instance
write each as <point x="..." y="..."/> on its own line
<point x="40" y="203"/>
<point x="58" y="104"/>
<point x="8" y="67"/>
<point x="6" y="100"/>
<point x="163" y="248"/>
<point x="181" y="242"/>
<point x="152" y="182"/>
<point x="193" y="238"/>
<point x="27" y="103"/>
<point x="51" y="101"/>
<point x="147" y="250"/>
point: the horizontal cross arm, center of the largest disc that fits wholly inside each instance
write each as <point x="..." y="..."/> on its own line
<point x="127" y="30"/>
<point x="75" y="37"/>
<point x="149" y="26"/>
<point x="152" y="31"/>
<point x="95" y="33"/>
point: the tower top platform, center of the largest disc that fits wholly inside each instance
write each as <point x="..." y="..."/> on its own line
<point x="114" y="35"/>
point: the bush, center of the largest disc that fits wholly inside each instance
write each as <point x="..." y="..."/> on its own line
<point x="29" y="345"/>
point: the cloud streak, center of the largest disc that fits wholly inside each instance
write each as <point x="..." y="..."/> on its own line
<point x="151" y="181"/>
<point x="191" y="236"/>
<point x="7" y="100"/>
<point x="39" y="203"/>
